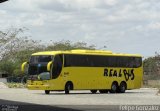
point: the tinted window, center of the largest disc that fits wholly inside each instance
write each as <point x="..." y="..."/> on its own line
<point x="33" y="59"/>
<point x="57" y="66"/>
<point x="36" y="69"/>
<point x="44" y="58"/>
<point x="32" y="70"/>
<point x="101" y="61"/>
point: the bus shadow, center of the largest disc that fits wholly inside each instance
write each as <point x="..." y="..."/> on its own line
<point x="66" y="94"/>
<point x="7" y="105"/>
<point x="87" y="93"/>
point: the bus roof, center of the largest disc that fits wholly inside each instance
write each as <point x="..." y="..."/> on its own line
<point x="46" y="53"/>
<point x="88" y="52"/>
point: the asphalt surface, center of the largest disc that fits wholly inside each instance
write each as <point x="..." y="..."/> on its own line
<point x="29" y="100"/>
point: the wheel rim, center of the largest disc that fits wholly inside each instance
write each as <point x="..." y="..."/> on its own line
<point x="114" y="87"/>
<point x="123" y="87"/>
<point x="68" y="87"/>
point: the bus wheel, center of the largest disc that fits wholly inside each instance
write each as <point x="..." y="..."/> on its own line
<point x="47" y="91"/>
<point x="122" y="87"/>
<point x="93" y="91"/>
<point x="67" y="88"/>
<point x="103" y="91"/>
<point x="114" y="88"/>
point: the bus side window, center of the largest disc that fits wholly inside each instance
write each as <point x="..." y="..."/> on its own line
<point x="138" y="61"/>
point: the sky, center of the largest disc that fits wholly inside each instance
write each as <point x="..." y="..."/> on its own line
<point x="123" y="26"/>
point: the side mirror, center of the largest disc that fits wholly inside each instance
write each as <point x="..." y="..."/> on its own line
<point x="49" y="65"/>
<point x="23" y="66"/>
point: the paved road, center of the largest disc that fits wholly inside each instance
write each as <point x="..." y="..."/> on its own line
<point x="77" y="100"/>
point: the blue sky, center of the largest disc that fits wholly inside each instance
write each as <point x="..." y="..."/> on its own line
<point x="124" y="26"/>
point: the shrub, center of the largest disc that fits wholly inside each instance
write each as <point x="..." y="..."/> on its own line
<point x="16" y="85"/>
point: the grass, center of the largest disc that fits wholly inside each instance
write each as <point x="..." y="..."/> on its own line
<point x="16" y="85"/>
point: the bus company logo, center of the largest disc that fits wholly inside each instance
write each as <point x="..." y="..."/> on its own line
<point x="128" y="73"/>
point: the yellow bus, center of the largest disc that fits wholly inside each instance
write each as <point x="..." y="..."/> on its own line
<point x="91" y="70"/>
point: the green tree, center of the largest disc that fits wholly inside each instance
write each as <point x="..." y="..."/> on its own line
<point x="152" y="67"/>
<point x="7" y="67"/>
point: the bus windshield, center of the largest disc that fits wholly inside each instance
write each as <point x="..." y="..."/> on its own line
<point x="38" y="64"/>
<point x="41" y="58"/>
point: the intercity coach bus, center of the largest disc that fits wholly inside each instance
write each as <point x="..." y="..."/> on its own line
<point x="90" y="70"/>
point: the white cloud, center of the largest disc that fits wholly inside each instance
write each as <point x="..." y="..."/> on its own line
<point x="154" y="25"/>
<point x="39" y="21"/>
<point x="89" y="36"/>
<point x="111" y="2"/>
<point x="127" y="25"/>
<point x="82" y="3"/>
<point x="2" y="12"/>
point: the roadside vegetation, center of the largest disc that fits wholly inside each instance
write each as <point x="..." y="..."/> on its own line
<point x="16" y="85"/>
<point x="152" y="71"/>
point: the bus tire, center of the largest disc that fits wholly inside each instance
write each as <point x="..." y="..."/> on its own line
<point x="47" y="91"/>
<point x="114" y="87"/>
<point x="122" y="87"/>
<point x="93" y="91"/>
<point x="68" y="87"/>
<point x="103" y="91"/>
